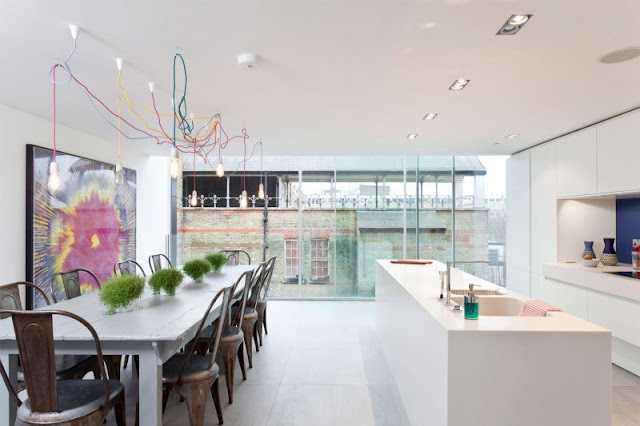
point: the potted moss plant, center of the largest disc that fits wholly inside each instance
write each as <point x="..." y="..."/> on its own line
<point x="217" y="260"/>
<point x="119" y="292"/>
<point x="166" y="279"/>
<point x="197" y="269"/>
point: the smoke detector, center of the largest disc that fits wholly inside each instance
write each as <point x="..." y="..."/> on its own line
<point x="247" y="60"/>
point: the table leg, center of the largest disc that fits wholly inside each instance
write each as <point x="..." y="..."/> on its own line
<point x="7" y="405"/>
<point x="150" y="389"/>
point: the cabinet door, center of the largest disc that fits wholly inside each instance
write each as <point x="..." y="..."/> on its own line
<point x="517" y="245"/>
<point x="519" y="281"/>
<point x="577" y="174"/>
<point x="618" y="143"/>
<point x="569" y="298"/>
<point x="617" y="314"/>
<point x="544" y="206"/>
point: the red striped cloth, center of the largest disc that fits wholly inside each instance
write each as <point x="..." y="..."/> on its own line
<point x="537" y="308"/>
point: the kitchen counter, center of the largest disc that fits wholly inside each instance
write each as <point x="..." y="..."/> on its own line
<point x="498" y="370"/>
<point x="596" y="278"/>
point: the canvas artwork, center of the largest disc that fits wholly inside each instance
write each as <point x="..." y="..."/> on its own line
<point x="88" y="223"/>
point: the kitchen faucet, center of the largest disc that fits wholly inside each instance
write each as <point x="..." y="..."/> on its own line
<point x="449" y="265"/>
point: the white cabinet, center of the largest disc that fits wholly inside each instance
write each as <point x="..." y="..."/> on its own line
<point x="576" y="164"/>
<point x="617" y="314"/>
<point x="518" y="243"/>
<point x="618" y="142"/>
<point x="519" y="280"/>
<point x="569" y="298"/>
<point x="544" y="206"/>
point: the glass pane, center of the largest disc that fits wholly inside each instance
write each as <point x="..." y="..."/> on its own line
<point x="480" y="215"/>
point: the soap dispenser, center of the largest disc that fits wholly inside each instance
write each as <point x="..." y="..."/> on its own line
<point x="471" y="304"/>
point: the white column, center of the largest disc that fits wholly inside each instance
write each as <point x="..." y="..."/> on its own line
<point x="478" y="191"/>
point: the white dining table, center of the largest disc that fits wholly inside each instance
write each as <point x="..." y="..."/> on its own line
<point x="154" y="330"/>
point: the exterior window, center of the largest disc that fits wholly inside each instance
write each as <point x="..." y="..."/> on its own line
<point x="319" y="259"/>
<point x="291" y="260"/>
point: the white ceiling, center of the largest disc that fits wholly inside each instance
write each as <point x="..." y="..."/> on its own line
<point x="337" y="76"/>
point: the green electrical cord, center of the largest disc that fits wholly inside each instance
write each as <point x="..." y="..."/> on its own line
<point x="182" y="106"/>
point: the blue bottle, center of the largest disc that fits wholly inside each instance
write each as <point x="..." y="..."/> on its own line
<point x="471" y="304"/>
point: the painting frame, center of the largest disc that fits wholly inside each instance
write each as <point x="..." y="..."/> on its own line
<point x="89" y="178"/>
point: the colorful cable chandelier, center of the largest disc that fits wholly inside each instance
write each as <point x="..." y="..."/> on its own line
<point x="190" y="135"/>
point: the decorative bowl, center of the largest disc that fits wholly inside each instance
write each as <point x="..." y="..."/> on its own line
<point x="590" y="263"/>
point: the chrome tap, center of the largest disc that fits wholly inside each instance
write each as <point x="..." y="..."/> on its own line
<point x="449" y="264"/>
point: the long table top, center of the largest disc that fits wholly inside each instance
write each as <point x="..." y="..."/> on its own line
<point x="156" y="318"/>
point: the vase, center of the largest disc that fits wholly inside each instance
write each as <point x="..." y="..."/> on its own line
<point x="588" y="250"/>
<point x="609" y="256"/>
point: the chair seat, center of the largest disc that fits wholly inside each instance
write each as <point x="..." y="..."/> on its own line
<point x="197" y="369"/>
<point x="248" y="312"/>
<point x="76" y="398"/>
<point x="68" y="365"/>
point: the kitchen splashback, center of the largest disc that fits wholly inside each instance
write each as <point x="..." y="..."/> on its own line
<point x="627" y="226"/>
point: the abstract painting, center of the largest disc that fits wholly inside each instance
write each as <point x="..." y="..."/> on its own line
<point x="87" y="223"/>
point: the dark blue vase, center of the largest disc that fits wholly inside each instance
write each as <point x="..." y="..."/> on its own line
<point x="608" y="246"/>
<point x="588" y="250"/>
<point x="609" y="256"/>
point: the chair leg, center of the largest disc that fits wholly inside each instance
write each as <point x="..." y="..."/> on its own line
<point x="255" y="337"/>
<point x="126" y="361"/>
<point x="264" y="320"/>
<point x="195" y="396"/>
<point x="248" y="345"/>
<point x="113" y="366"/>
<point x="165" y="399"/>
<point x="241" y="360"/>
<point x="119" y="408"/>
<point x="260" y="325"/>
<point x="228" y="352"/>
<point x="215" y="394"/>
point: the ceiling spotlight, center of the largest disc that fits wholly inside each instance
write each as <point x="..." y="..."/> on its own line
<point x="459" y="84"/>
<point x="518" y="19"/>
<point x="512" y="136"/>
<point x="412" y="136"/>
<point x="514" y="24"/>
<point x="430" y="116"/>
<point x="247" y="60"/>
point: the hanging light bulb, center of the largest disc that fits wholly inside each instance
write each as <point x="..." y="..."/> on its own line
<point x="243" y="200"/>
<point x="53" y="183"/>
<point x="261" y="191"/>
<point x="174" y="167"/>
<point x="220" y="168"/>
<point x="118" y="178"/>
<point x="194" y="198"/>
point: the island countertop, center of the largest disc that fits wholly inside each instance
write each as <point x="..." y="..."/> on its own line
<point x="422" y="282"/>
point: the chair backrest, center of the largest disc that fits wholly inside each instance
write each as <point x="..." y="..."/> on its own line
<point x="271" y="265"/>
<point x="70" y="282"/>
<point x="10" y="296"/>
<point x="34" y="334"/>
<point x="259" y="275"/>
<point x="236" y="256"/>
<point x="128" y="267"/>
<point x="155" y="262"/>
<point x="214" y="340"/>
<point x="241" y="297"/>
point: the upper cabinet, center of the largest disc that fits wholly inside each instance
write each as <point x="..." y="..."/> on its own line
<point x="618" y="142"/>
<point x="577" y="163"/>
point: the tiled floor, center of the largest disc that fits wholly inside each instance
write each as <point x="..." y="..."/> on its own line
<point x="322" y="364"/>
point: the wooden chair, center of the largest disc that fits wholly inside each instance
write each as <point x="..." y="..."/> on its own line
<point x="232" y="340"/>
<point x="128" y="267"/>
<point x="155" y="262"/>
<point x="52" y="402"/>
<point x="70" y="282"/>
<point x="193" y="375"/>
<point x="236" y="256"/>
<point x="261" y="298"/>
<point x="67" y="366"/>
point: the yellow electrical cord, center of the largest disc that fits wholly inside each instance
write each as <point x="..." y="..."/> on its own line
<point x="131" y="107"/>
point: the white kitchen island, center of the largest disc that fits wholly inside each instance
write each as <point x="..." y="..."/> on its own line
<point x="501" y="370"/>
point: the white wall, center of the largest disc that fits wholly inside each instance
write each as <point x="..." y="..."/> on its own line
<point x="584" y="220"/>
<point x="20" y="129"/>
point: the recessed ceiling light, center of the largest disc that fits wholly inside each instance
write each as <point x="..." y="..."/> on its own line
<point x="430" y="116"/>
<point x="459" y="84"/>
<point x="496" y="143"/>
<point x="412" y="136"/>
<point x="512" y="136"/>
<point x="518" y="19"/>
<point x="514" y="24"/>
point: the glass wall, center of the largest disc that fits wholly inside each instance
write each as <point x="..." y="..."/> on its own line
<point x="328" y="219"/>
